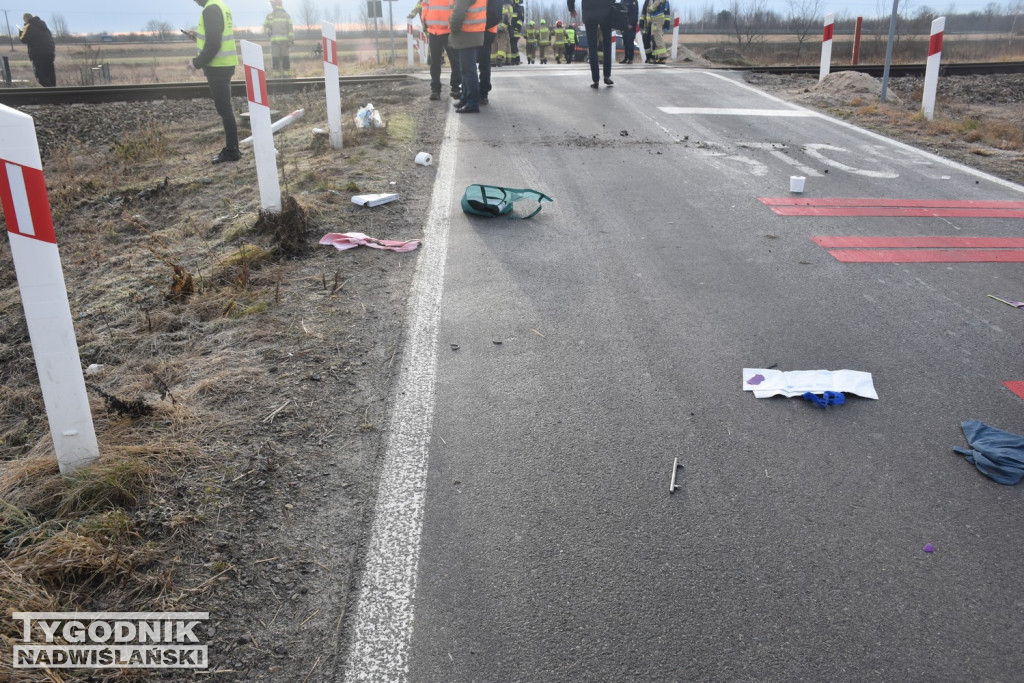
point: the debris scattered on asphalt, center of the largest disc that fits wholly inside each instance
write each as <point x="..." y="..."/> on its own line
<point x="929" y="548"/>
<point x="491" y="200"/>
<point x="1010" y="302"/>
<point x="765" y="382"/>
<point x="997" y="454"/>
<point x="673" y="485"/>
<point x="348" y="240"/>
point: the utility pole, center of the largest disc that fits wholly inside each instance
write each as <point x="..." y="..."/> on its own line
<point x="391" y="27"/>
<point x="9" y="36"/>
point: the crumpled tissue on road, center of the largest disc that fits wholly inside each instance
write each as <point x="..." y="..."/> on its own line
<point x="997" y="454"/>
<point x="764" y="383"/>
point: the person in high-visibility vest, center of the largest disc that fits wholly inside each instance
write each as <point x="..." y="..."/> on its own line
<point x="543" y="40"/>
<point x="570" y="43"/>
<point x="515" y="31"/>
<point x="656" y="14"/>
<point x="531" y="42"/>
<point x="468" y="22"/>
<point x="218" y="57"/>
<point x="504" y="44"/>
<point x="434" y="17"/>
<point x="278" y="26"/>
<point x="558" y="41"/>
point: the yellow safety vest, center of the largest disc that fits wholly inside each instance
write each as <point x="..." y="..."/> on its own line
<point x="228" y="55"/>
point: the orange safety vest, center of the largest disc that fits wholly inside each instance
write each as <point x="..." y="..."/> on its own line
<point x="434" y="15"/>
<point x="476" y="17"/>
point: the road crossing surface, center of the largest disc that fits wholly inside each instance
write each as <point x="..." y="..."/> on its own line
<point x="556" y="367"/>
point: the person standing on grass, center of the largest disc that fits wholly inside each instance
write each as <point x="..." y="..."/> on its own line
<point x="218" y="58"/>
<point x="41" y="50"/>
<point x="596" y="14"/>
<point x="278" y="26"/>
<point x="468" y="23"/>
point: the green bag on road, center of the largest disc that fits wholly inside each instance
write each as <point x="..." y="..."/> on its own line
<point x="491" y="200"/>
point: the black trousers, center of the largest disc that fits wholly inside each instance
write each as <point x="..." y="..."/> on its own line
<point x="438" y="45"/>
<point x="483" y="58"/>
<point x="45" y="73"/>
<point x="628" y="37"/>
<point x="606" y="36"/>
<point x="219" y="80"/>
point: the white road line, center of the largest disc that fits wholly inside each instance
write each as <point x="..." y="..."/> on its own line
<point x="384" y="614"/>
<point x="726" y="111"/>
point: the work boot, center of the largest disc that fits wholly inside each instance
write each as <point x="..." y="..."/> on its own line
<point x="456" y="93"/>
<point x="435" y="95"/>
<point x="227" y="154"/>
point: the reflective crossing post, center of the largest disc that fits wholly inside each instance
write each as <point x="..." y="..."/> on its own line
<point x="44" y="295"/>
<point x="675" y="34"/>
<point x="826" y="47"/>
<point x="931" y="71"/>
<point x="259" y="119"/>
<point x="332" y="87"/>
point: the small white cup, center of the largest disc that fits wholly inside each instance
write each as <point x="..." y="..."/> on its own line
<point x="424" y="159"/>
<point x="796" y="183"/>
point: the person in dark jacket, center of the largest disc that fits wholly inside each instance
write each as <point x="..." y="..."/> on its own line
<point x="596" y="14"/>
<point x="41" y="50"/>
<point x="629" y="35"/>
<point x="218" y="57"/>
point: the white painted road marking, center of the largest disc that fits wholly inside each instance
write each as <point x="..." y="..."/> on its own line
<point x="382" y="634"/>
<point x="714" y="111"/>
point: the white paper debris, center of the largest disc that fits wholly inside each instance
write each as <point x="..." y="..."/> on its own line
<point x="765" y="383"/>
<point x="374" y="199"/>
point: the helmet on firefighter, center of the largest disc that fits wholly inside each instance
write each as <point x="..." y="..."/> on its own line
<point x="532" y="23"/>
<point x="558" y="24"/>
<point x="275" y="3"/>
<point x="543" y="21"/>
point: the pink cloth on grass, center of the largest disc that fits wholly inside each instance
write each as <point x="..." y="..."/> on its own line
<point x="348" y="240"/>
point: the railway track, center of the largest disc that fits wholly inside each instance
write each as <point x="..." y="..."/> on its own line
<point x="146" y="92"/>
<point x="94" y="94"/>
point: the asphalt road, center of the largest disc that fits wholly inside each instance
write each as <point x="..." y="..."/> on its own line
<point x="575" y="355"/>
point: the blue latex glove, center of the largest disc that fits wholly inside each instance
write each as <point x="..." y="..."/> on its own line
<point x="831" y="398"/>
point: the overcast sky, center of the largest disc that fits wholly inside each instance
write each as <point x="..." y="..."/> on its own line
<point x="96" y="16"/>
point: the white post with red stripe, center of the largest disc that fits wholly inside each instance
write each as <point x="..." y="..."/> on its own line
<point x="675" y="34"/>
<point x="259" y="119"/>
<point x="409" y="40"/>
<point x="931" y="71"/>
<point x="826" y="47"/>
<point x="423" y="46"/>
<point x="44" y="295"/>
<point x="332" y="87"/>
<point x="639" y="40"/>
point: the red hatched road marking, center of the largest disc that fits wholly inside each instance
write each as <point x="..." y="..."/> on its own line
<point x="1016" y="387"/>
<point x="920" y="242"/>
<point x="843" y="206"/>
<point x="868" y="201"/>
<point x="928" y="255"/>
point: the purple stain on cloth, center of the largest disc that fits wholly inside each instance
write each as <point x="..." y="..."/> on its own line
<point x="755" y="380"/>
<point x="929" y="548"/>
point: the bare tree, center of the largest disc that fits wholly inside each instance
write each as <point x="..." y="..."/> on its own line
<point x="310" y="13"/>
<point x="59" y="27"/>
<point x="804" y="17"/>
<point x="159" y="29"/>
<point x="750" y="21"/>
